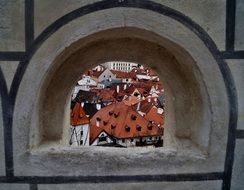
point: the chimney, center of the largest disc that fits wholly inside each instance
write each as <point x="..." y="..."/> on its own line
<point x="160" y="111"/>
<point x="97" y="123"/>
<point x="125" y="86"/>
<point x="138" y="106"/>
<point x="117" y="89"/>
<point x="98" y="106"/>
<point x="149" y="99"/>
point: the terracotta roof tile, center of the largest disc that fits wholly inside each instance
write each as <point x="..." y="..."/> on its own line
<point x="121" y="74"/>
<point x="145" y="105"/>
<point x="121" y="121"/>
<point x="78" y="115"/>
<point x="154" y="116"/>
<point x="105" y="95"/>
<point x="131" y="100"/>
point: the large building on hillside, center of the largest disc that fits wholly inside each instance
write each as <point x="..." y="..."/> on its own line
<point x="120" y="66"/>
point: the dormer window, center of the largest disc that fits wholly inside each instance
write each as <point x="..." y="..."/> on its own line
<point x="116" y="114"/>
<point x="127" y="128"/>
<point x="113" y="126"/>
<point x="133" y="117"/>
<point x="150" y="125"/>
<point x="138" y="127"/>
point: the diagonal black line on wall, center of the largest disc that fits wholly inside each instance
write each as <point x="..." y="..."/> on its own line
<point x="143" y="4"/>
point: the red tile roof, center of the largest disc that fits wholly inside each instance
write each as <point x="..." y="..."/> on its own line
<point x="105" y="95"/>
<point x="121" y="74"/>
<point x="131" y="100"/>
<point x="94" y="73"/>
<point x="121" y="121"/>
<point x="78" y="116"/>
<point x="154" y="116"/>
<point x="145" y="105"/>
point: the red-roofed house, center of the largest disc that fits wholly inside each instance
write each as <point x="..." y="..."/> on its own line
<point x="79" y="126"/>
<point x="121" y="125"/>
<point x="156" y="116"/>
<point x="125" y="77"/>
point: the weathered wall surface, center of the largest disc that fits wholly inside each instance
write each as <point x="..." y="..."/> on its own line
<point x="204" y="36"/>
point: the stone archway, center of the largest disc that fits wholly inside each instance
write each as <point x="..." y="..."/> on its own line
<point x="189" y="63"/>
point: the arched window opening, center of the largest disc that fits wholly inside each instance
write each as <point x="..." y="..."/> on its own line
<point x="118" y="107"/>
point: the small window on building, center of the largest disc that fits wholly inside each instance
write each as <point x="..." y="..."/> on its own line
<point x="102" y="139"/>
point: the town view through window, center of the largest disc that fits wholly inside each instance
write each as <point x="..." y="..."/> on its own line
<point x="118" y="104"/>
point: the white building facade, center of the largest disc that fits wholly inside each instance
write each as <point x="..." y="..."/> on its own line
<point x="120" y="66"/>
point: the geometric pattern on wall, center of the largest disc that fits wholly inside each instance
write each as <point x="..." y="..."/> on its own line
<point x="8" y="97"/>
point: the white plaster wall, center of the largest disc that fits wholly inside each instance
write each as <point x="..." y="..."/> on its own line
<point x="204" y="13"/>
<point x="12" y="20"/>
<point x="86" y="134"/>
<point x="13" y="186"/>
<point x="9" y="69"/>
<point x="201" y="11"/>
<point x="238" y="169"/>
<point x="239" y="40"/>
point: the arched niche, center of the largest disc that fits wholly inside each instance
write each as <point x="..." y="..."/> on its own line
<point x="186" y="117"/>
<point x="196" y="117"/>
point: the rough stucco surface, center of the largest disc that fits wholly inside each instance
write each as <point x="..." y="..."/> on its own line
<point x="9" y="69"/>
<point x="43" y="5"/>
<point x="6" y="186"/>
<point x="215" y="185"/>
<point x="238" y="171"/>
<point x="12" y="20"/>
<point x="53" y="161"/>
<point x="239" y="40"/>
<point x="237" y="69"/>
<point x="204" y="13"/>
<point x="198" y="11"/>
